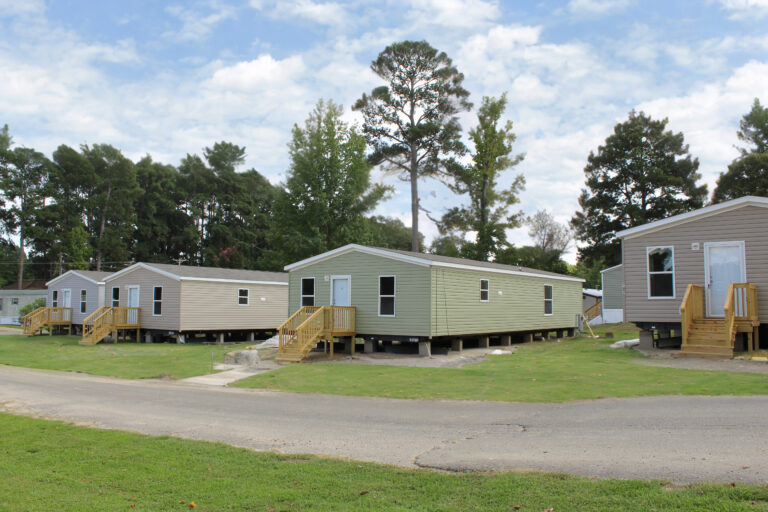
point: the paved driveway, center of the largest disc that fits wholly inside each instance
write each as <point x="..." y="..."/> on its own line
<point x="677" y="438"/>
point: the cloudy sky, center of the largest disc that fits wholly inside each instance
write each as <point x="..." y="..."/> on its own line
<point x="169" y="78"/>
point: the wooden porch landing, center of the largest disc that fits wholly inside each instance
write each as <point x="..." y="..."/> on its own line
<point x="309" y="326"/>
<point x="106" y="320"/>
<point x="41" y="318"/>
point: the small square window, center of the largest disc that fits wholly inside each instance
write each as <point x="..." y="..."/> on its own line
<point x="484" y="290"/>
<point x="14" y="301"/>
<point x="242" y="296"/>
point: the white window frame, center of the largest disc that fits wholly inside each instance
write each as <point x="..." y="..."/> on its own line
<point x="112" y="297"/>
<point x="551" y="301"/>
<point x="155" y="301"/>
<point x="648" y="272"/>
<point x="247" y="296"/>
<point x="83" y="301"/>
<point x="487" y="290"/>
<point x="54" y="298"/>
<point x="394" y="297"/>
<point x="14" y="301"/>
<point x="301" y="291"/>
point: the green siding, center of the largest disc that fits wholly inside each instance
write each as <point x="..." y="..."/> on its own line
<point x="412" y="292"/>
<point x="613" y="285"/>
<point x="457" y="310"/>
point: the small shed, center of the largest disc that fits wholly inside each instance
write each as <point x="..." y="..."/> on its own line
<point x="12" y="299"/>
<point x="612" y="283"/>
<point x="185" y="301"/>
<point x="81" y="290"/>
<point x="414" y="297"/>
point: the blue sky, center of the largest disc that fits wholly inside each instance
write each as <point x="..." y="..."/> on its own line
<point x="169" y="78"/>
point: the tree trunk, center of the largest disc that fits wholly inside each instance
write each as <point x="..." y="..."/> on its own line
<point x="414" y="201"/>
<point x="101" y="228"/>
<point x="21" y="255"/>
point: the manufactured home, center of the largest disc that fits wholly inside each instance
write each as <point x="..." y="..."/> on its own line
<point x="185" y="301"/>
<point x="702" y="275"/>
<point x="591" y="304"/>
<point x="76" y="294"/>
<point x="389" y="295"/>
<point x="612" y="284"/>
<point x="12" y="299"/>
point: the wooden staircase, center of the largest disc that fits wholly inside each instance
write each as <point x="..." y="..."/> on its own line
<point x="46" y="317"/>
<point x="714" y="338"/>
<point x="106" y="320"/>
<point x="593" y="311"/>
<point x="309" y="326"/>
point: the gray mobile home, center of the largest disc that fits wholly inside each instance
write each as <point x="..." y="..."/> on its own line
<point x="703" y="274"/>
<point x="612" y="283"/>
<point x="413" y="297"/>
<point x="183" y="300"/>
<point x="12" y="299"/>
<point x="81" y="290"/>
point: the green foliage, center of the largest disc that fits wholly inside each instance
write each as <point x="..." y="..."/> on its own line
<point x="753" y="129"/>
<point x="488" y="213"/>
<point x="327" y="192"/>
<point x="642" y="173"/>
<point x="78" y="249"/>
<point x="28" y="308"/>
<point x="411" y="121"/>
<point x="590" y="272"/>
<point x="533" y="257"/>
<point x="448" y="245"/>
<point x="380" y="231"/>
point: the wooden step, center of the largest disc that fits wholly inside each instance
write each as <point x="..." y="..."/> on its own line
<point x="706" y="351"/>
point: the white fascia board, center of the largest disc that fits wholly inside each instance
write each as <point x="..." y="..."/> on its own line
<point x="240" y="281"/>
<point x="504" y="271"/>
<point x="72" y="273"/>
<point x="358" y="248"/>
<point x="137" y="266"/>
<point x="611" y="268"/>
<point x="701" y="213"/>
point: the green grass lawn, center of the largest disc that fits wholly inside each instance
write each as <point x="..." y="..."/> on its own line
<point x="124" y="360"/>
<point x="54" y="466"/>
<point x="574" y="369"/>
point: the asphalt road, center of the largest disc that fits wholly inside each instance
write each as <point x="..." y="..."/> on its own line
<point x="677" y="438"/>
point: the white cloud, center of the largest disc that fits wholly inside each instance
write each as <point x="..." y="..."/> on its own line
<point x="455" y="13"/>
<point x="746" y="9"/>
<point x="258" y="75"/>
<point x="197" y="26"/>
<point x="328" y="13"/>
<point x="21" y="7"/>
<point x="596" y="6"/>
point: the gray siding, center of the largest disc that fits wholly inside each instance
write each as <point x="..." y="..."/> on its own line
<point x="94" y="296"/>
<point x="746" y="224"/>
<point x="457" y="308"/>
<point x="613" y="288"/>
<point x="412" y="292"/>
<point x="588" y="301"/>
<point x="147" y="280"/>
<point x="207" y="305"/>
<point x="9" y="313"/>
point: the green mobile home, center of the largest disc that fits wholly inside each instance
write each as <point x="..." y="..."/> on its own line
<point x="412" y="297"/>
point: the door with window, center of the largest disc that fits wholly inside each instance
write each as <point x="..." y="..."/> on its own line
<point x="723" y="265"/>
<point x="133" y="296"/>
<point x="66" y="298"/>
<point x="340" y="292"/>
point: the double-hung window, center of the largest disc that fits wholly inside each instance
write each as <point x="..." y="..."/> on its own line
<point x="157" y="301"/>
<point x="116" y="297"/>
<point x="83" y="301"/>
<point x="55" y="298"/>
<point x="307" y="291"/>
<point x="386" y="295"/>
<point x="242" y="297"/>
<point x="548" y="299"/>
<point x="661" y="272"/>
<point x="484" y="290"/>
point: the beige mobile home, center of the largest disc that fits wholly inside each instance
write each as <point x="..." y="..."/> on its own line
<point x="389" y="295"/>
<point x="183" y="301"/>
<point x="12" y="299"/>
<point x="77" y="293"/>
<point x="703" y="274"/>
<point x="612" y="284"/>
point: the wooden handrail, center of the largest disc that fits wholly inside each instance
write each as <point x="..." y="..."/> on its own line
<point x="691" y="309"/>
<point x="594" y="310"/>
<point x="310" y="324"/>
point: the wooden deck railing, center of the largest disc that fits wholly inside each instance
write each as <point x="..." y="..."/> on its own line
<point x="311" y="324"/>
<point x="740" y="308"/>
<point x="46" y="316"/>
<point x="105" y="320"/>
<point x="593" y="311"/>
<point x="691" y="309"/>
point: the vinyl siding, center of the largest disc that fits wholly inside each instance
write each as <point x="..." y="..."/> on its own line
<point x="146" y="280"/>
<point x="613" y="285"/>
<point x="457" y="310"/>
<point x="743" y="224"/>
<point x="412" y="292"/>
<point x="588" y="302"/>
<point x="10" y="312"/>
<point x="93" y="298"/>
<point x="209" y="305"/>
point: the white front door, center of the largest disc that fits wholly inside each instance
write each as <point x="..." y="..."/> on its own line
<point x="133" y="296"/>
<point x="340" y="291"/>
<point x="66" y="298"/>
<point x="723" y="265"/>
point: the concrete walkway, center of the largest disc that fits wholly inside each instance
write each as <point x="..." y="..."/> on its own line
<point x="232" y="374"/>
<point x="677" y="438"/>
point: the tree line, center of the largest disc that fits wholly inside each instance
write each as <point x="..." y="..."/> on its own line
<point x="92" y="207"/>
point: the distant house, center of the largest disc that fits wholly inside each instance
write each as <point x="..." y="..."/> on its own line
<point x="184" y="301"/>
<point x="80" y="290"/>
<point x="701" y="276"/>
<point x="12" y="299"/>
<point x="390" y="295"/>
<point x="612" y="284"/>
<point x="591" y="305"/>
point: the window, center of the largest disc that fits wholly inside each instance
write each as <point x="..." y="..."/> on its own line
<point x="386" y="295"/>
<point x="242" y="296"/>
<point x="55" y="298"/>
<point x="661" y="272"/>
<point x="116" y="297"/>
<point x="83" y="302"/>
<point x="157" y="301"/>
<point x="484" y="290"/>
<point x="307" y="291"/>
<point x="548" y="300"/>
<point x="14" y="301"/>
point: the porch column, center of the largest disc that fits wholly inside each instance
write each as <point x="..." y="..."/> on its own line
<point x="220" y="338"/>
<point x="528" y="337"/>
<point x="147" y="337"/>
<point x="646" y="340"/>
<point x="370" y="346"/>
<point x="251" y="337"/>
<point x="506" y="340"/>
<point x="484" y="342"/>
<point x="425" y="348"/>
<point x="457" y="344"/>
<point x="180" y="339"/>
<point x="349" y="346"/>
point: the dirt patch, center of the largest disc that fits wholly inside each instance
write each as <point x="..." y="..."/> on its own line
<point x="670" y="359"/>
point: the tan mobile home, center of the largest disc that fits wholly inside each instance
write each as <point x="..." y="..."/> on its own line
<point x="702" y="274"/>
<point x="182" y="301"/>
<point x="390" y="295"/>
<point x="80" y="290"/>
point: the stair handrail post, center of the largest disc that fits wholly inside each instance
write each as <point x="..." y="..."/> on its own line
<point x="729" y="314"/>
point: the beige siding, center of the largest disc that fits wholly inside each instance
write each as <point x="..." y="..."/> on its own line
<point x="94" y="296"/>
<point x="746" y="224"/>
<point x="213" y="306"/>
<point x="520" y="307"/>
<point x="146" y="280"/>
<point x="412" y="292"/>
<point x="613" y="288"/>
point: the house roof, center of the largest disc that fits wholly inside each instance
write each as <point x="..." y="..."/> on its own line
<point x="213" y="274"/>
<point x="89" y="275"/>
<point x="38" y="284"/>
<point x="699" y="214"/>
<point x="429" y="260"/>
<point x="592" y="292"/>
<point x="611" y="268"/>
